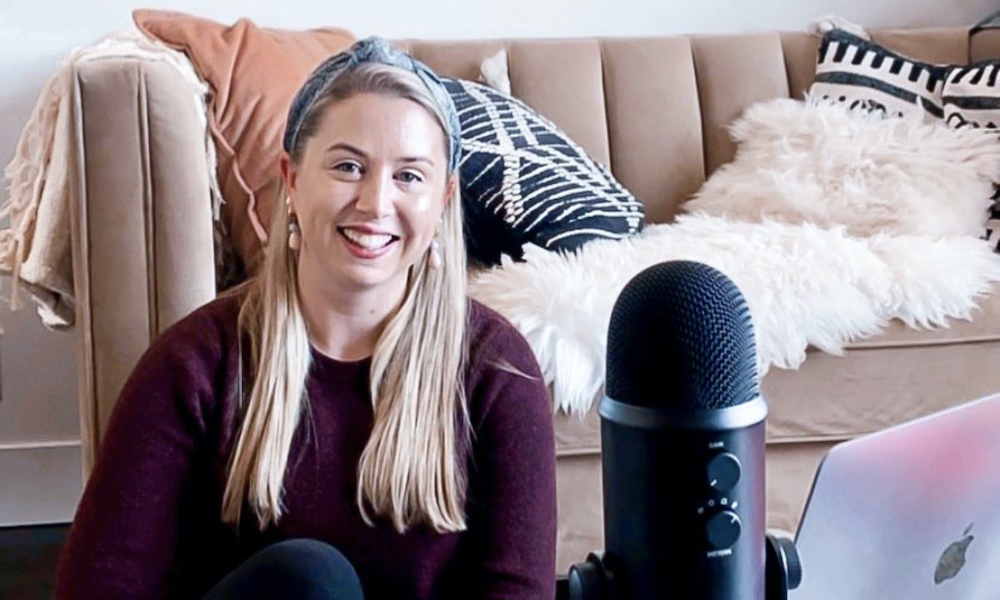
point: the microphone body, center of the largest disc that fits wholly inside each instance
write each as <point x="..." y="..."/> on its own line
<point x="674" y="518"/>
<point x="683" y="438"/>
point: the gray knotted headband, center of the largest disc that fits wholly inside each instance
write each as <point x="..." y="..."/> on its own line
<point x="378" y="50"/>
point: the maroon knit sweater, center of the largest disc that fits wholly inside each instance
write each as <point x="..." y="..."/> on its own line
<point x="148" y="525"/>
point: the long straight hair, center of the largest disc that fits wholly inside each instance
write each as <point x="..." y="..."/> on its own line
<point x="411" y="470"/>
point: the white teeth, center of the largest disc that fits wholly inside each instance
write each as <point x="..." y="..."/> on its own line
<point x="367" y="240"/>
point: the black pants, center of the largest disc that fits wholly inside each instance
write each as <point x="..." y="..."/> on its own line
<point x="299" y="569"/>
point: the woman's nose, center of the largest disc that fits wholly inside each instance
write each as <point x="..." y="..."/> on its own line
<point x="375" y="196"/>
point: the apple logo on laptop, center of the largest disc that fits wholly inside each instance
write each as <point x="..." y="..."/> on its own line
<point x="953" y="558"/>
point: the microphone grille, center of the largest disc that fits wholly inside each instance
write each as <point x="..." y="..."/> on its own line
<point x="681" y="335"/>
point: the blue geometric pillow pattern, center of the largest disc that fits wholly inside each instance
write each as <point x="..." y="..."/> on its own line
<point x="867" y="76"/>
<point x="525" y="181"/>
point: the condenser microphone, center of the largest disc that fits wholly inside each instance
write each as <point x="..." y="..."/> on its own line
<point x="682" y="436"/>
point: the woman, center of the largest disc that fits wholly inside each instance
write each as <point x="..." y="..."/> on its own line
<point x="348" y="424"/>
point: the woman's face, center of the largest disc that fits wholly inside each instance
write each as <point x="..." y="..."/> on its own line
<point x="368" y="193"/>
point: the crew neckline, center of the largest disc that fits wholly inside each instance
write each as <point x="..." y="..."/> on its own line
<point x="339" y="369"/>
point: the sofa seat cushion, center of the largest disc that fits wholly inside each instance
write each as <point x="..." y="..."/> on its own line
<point x="830" y="398"/>
<point x="984" y="327"/>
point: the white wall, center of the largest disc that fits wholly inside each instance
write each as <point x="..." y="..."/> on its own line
<point x="39" y="462"/>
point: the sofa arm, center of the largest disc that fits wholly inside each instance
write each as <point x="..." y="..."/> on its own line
<point x="141" y="214"/>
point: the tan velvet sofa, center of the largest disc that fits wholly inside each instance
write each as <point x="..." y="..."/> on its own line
<point x="655" y="110"/>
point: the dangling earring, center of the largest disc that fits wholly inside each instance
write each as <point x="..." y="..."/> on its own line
<point x="435" y="260"/>
<point x="294" y="234"/>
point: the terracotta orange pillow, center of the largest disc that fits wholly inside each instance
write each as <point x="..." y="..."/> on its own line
<point x="253" y="73"/>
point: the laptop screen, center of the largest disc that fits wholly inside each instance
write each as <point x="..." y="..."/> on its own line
<point x="910" y="512"/>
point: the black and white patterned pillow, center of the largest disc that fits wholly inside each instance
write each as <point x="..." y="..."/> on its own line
<point x="993" y="221"/>
<point x="856" y="71"/>
<point x="525" y="181"/>
<point x="971" y="98"/>
<point x="971" y="95"/>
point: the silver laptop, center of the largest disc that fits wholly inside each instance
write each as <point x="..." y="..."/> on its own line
<point x="910" y="513"/>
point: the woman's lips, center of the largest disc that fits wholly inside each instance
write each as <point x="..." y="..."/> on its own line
<point x="365" y="243"/>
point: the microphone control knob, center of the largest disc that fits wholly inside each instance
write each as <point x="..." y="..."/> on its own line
<point x="722" y="529"/>
<point x="723" y="472"/>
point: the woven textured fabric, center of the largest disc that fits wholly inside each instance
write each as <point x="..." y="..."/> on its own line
<point x="868" y="76"/>
<point x="526" y="182"/>
<point x="992" y="234"/>
<point x="971" y="96"/>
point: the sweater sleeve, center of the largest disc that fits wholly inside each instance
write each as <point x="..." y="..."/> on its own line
<point x="515" y="466"/>
<point x="121" y="545"/>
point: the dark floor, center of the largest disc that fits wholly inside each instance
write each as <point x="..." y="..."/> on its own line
<point x="28" y="558"/>
<point x="28" y="561"/>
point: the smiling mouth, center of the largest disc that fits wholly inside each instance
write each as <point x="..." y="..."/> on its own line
<point x="368" y="241"/>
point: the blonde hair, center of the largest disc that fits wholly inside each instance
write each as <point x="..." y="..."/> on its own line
<point x="411" y="470"/>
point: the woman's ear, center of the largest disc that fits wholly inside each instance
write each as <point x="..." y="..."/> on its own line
<point x="287" y="171"/>
<point x="451" y="187"/>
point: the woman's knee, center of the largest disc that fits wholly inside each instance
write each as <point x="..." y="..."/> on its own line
<point x="301" y="568"/>
<point x="310" y="556"/>
<point x="316" y="569"/>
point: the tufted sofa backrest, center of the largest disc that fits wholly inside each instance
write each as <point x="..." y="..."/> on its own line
<point x="656" y="110"/>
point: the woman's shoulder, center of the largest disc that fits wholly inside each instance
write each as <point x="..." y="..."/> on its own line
<point x="504" y="379"/>
<point x="186" y="359"/>
<point x="202" y="335"/>
<point x="216" y="318"/>
<point x="489" y="332"/>
<point x="495" y="343"/>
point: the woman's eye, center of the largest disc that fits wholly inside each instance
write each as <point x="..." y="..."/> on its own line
<point x="410" y="177"/>
<point x="347" y="167"/>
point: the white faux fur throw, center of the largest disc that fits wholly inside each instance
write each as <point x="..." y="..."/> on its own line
<point x="807" y="284"/>
<point x="824" y="163"/>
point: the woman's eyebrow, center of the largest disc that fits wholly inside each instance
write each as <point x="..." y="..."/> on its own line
<point x="348" y="148"/>
<point x="362" y="154"/>
<point x="413" y="159"/>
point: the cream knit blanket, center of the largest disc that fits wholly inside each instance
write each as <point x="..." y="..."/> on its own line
<point x="35" y="243"/>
